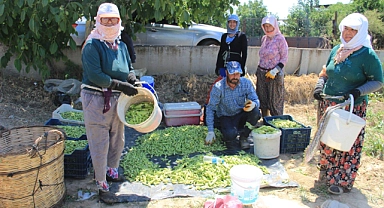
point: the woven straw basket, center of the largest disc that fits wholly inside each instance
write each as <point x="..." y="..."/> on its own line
<point x="32" y="167"/>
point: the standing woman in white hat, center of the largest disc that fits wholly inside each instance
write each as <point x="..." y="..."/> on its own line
<point x="107" y="72"/>
<point x="352" y="68"/>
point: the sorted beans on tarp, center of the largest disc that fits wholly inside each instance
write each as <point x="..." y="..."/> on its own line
<point x="73" y="131"/>
<point x="139" y="112"/>
<point x="194" y="171"/>
<point x="285" y="124"/>
<point x="183" y="141"/>
<point x="72" y="145"/>
<point x="73" y="115"/>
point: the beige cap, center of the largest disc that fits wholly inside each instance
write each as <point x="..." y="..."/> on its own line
<point x="108" y="10"/>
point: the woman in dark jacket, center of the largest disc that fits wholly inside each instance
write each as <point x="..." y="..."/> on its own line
<point x="233" y="46"/>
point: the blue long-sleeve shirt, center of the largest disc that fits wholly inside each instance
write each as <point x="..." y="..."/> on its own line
<point x="225" y="101"/>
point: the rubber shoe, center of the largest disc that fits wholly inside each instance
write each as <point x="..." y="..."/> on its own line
<point x="337" y="190"/>
<point x="244" y="144"/>
<point x="108" y="197"/>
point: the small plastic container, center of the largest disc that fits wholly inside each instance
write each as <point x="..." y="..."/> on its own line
<point x="185" y="113"/>
<point x="213" y="159"/>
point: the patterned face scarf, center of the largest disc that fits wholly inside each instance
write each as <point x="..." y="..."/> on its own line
<point x="106" y="33"/>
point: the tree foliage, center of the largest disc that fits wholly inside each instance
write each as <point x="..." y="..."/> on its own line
<point x="309" y="19"/>
<point x="251" y="15"/>
<point x="37" y="31"/>
<point x="298" y="23"/>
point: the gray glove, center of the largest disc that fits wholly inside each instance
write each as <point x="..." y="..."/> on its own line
<point x="133" y="80"/>
<point x="124" y="87"/>
<point x="210" y="137"/>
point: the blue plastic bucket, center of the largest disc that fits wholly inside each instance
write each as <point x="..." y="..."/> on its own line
<point x="149" y="83"/>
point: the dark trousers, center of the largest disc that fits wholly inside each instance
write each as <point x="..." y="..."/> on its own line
<point x="232" y="126"/>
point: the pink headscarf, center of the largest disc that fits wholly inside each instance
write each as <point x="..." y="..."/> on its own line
<point x="107" y="33"/>
<point x="270" y="19"/>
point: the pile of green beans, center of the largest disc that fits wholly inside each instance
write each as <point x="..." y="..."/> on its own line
<point x="285" y="124"/>
<point x="73" y="131"/>
<point x="72" y="145"/>
<point x="182" y="141"/>
<point x="73" y="115"/>
<point x="139" y="112"/>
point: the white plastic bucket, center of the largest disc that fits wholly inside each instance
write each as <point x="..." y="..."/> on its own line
<point x="266" y="146"/>
<point x="143" y="95"/>
<point x="342" y="128"/>
<point x="245" y="182"/>
<point x="148" y="82"/>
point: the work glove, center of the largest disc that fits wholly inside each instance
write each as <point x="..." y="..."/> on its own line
<point x="355" y="93"/>
<point x="133" y="80"/>
<point x="249" y="106"/>
<point x="124" y="87"/>
<point x="210" y="137"/>
<point x="319" y="88"/>
<point x="271" y="74"/>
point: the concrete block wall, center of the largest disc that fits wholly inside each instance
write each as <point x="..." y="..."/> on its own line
<point x="199" y="60"/>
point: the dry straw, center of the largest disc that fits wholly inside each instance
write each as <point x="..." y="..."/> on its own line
<point x="299" y="89"/>
<point x="176" y="88"/>
<point x="32" y="167"/>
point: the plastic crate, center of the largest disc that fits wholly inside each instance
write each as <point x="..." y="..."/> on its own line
<point x="57" y="122"/>
<point x="292" y="140"/>
<point x="65" y="108"/>
<point x="77" y="164"/>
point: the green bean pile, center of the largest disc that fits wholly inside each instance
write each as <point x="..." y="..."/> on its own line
<point x="73" y="131"/>
<point x="264" y="129"/>
<point x="72" y="145"/>
<point x="193" y="171"/>
<point x="182" y="140"/>
<point x="73" y="115"/>
<point x="285" y="124"/>
<point x="139" y="112"/>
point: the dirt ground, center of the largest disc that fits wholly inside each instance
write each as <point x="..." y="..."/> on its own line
<point x="23" y="102"/>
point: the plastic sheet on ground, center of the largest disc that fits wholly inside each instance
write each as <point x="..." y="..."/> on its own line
<point x="278" y="177"/>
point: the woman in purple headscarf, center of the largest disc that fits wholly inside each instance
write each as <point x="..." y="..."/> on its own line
<point x="270" y="74"/>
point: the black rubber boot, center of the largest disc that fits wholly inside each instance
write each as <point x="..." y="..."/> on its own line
<point x="108" y="197"/>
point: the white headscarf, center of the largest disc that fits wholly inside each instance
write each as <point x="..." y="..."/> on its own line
<point x="106" y="33"/>
<point x="357" y="22"/>
<point x="270" y="19"/>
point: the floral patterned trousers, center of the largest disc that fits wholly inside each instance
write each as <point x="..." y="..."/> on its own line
<point x="341" y="167"/>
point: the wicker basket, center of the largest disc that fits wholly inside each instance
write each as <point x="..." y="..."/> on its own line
<point x="32" y="167"/>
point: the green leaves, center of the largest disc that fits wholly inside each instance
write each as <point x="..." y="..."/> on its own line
<point x="32" y="25"/>
<point x="2" y="6"/>
<point x="44" y="3"/>
<point x="47" y="24"/>
<point x="30" y="2"/>
<point x="53" y="48"/>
